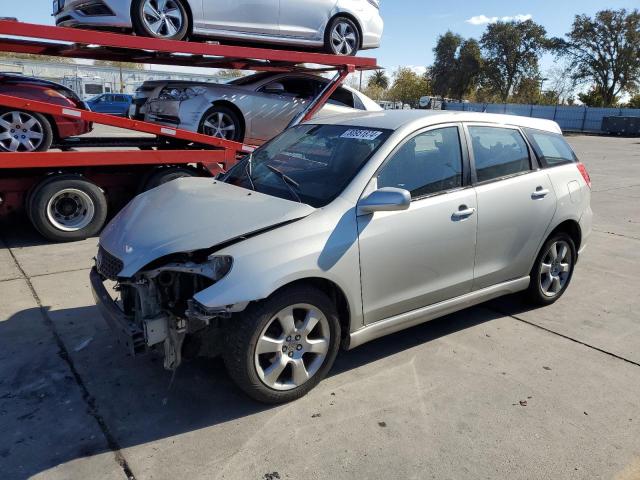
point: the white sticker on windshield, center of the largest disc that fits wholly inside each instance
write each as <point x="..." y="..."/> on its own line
<point x="361" y="134"/>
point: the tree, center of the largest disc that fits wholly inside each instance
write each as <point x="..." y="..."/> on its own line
<point x="561" y="83"/>
<point x="597" y="97"/>
<point x="512" y="51"/>
<point x="445" y="65"/>
<point x="408" y="86"/>
<point x="527" y="91"/>
<point x="457" y="66"/>
<point x="634" y="102"/>
<point x="378" y="79"/>
<point x="605" y="51"/>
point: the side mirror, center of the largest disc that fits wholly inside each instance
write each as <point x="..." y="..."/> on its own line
<point x="275" y="88"/>
<point x="388" y="199"/>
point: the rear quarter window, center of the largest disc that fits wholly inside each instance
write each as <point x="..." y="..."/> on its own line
<point x="551" y="148"/>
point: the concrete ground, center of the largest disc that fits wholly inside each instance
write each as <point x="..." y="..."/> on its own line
<point x="496" y="391"/>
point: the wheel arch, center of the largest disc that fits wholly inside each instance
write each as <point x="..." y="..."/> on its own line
<point x="237" y="111"/>
<point x="570" y="227"/>
<point x="351" y="17"/>
<point x="335" y="293"/>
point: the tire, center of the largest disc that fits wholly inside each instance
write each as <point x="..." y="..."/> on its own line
<point x="249" y="370"/>
<point x="171" y="27"/>
<point x="23" y="124"/>
<point x="550" y="276"/>
<point x="217" y="119"/>
<point x="83" y="201"/>
<point x="165" y="175"/>
<point x="342" y="37"/>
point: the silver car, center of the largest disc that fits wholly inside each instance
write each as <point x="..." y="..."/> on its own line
<point x="340" y="27"/>
<point x="341" y="231"/>
<point x="252" y="109"/>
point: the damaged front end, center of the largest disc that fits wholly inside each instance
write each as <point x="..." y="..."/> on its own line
<point x="155" y="309"/>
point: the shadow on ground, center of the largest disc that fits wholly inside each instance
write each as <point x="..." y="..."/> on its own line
<point x="136" y="400"/>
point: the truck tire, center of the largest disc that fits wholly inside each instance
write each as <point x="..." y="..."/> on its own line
<point x="280" y="348"/>
<point x="164" y="175"/>
<point x="67" y="208"/>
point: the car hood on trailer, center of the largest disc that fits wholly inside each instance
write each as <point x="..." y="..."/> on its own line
<point x="191" y="214"/>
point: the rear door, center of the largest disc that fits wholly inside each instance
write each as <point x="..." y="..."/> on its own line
<point x="305" y="19"/>
<point x="516" y="203"/>
<point x="257" y="17"/>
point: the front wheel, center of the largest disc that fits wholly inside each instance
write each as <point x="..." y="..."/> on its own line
<point x="553" y="270"/>
<point x="222" y="122"/>
<point x="281" y="348"/>
<point x="166" y="19"/>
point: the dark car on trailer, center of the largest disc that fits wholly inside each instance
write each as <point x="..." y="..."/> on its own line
<point x="25" y="131"/>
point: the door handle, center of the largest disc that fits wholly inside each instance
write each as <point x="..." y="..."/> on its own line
<point x="540" y="193"/>
<point x="463" y="212"/>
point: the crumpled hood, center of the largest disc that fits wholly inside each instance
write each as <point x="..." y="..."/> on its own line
<point x="191" y="214"/>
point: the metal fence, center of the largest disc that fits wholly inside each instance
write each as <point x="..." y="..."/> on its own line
<point x="570" y="119"/>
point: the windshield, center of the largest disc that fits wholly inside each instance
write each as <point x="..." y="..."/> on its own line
<point x="310" y="163"/>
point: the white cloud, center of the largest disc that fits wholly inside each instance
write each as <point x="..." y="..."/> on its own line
<point x="484" y="20"/>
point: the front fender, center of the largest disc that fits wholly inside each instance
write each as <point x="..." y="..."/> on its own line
<point x="320" y="246"/>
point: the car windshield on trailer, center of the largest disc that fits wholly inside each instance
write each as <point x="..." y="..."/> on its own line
<point x="309" y="163"/>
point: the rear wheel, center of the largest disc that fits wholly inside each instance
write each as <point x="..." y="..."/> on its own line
<point x="553" y="270"/>
<point x="166" y="19"/>
<point x="68" y="208"/>
<point x="281" y="348"/>
<point x="22" y="131"/>
<point x="342" y="37"/>
<point x="222" y="122"/>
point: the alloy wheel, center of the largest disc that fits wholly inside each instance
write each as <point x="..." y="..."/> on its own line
<point x="292" y="347"/>
<point x="20" y="132"/>
<point x="70" y="210"/>
<point x="343" y="38"/>
<point x="220" y="125"/>
<point x="555" y="269"/>
<point x="163" y="17"/>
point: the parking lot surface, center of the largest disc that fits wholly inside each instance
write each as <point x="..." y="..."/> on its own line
<point x="495" y="391"/>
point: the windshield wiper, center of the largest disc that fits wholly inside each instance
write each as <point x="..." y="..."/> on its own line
<point x="248" y="170"/>
<point x="287" y="180"/>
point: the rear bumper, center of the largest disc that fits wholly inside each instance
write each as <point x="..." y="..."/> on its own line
<point x="130" y="336"/>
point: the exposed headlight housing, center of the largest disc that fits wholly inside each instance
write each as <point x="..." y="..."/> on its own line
<point x="220" y="265"/>
<point x="181" y="94"/>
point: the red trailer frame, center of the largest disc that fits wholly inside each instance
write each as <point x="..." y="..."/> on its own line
<point x="21" y="173"/>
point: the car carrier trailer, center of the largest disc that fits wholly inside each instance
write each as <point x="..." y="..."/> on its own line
<point x="69" y="195"/>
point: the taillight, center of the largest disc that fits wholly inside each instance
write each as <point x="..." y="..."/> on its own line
<point x="585" y="174"/>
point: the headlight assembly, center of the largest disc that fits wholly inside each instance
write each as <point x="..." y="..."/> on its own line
<point x="180" y="93"/>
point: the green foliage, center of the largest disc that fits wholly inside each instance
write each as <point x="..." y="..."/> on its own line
<point x="512" y="51"/>
<point x="634" y="102"/>
<point x="604" y="51"/>
<point x="457" y="67"/>
<point x="378" y="79"/>
<point x="408" y="87"/>
<point x="597" y="97"/>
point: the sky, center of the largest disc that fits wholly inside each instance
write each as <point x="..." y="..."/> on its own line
<point x="412" y="27"/>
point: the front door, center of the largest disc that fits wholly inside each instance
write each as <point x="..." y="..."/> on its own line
<point x="424" y="255"/>
<point x="260" y="17"/>
<point x="516" y="203"/>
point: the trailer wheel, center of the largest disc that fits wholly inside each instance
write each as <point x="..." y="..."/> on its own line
<point x="68" y="208"/>
<point x="22" y="131"/>
<point x="167" y="19"/>
<point x="165" y="175"/>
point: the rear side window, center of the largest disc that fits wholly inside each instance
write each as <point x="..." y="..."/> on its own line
<point x="551" y="148"/>
<point x="498" y="152"/>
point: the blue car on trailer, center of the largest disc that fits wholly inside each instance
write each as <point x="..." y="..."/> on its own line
<point x="111" y="103"/>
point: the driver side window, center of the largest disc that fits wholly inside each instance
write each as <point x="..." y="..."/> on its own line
<point x="426" y="164"/>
